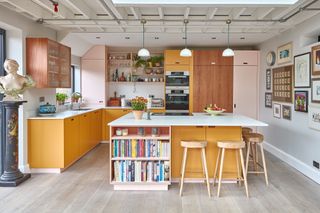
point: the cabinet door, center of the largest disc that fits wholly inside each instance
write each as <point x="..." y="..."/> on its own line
<point x="96" y="127"/>
<point x="206" y="57"/>
<point x="72" y="140"/>
<point x="246" y="90"/>
<point x="85" y="132"/>
<point x="65" y="66"/>
<point x="222" y="87"/>
<point x="214" y="134"/>
<point x="111" y="115"/>
<point x="202" y="87"/>
<point x="172" y="57"/>
<point x="246" y="57"/>
<point x="53" y="64"/>
<point x="194" y="157"/>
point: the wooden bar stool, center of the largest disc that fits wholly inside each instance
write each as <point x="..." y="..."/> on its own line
<point x="227" y="145"/>
<point x="194" y="145"/>
<point x="256" y="139"/>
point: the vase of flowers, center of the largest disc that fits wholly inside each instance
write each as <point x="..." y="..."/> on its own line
<point x="138" y="105"/>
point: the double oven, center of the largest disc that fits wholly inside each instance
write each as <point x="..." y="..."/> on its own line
<point x="177" y="92"/>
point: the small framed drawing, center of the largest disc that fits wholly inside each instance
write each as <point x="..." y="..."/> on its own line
<point x="284" y="53"/>
<point x="268" y="100"/>
<point x="277" y="110"/>
<point x="315" y="90"/>
<point x="268" y="79"/>
<point x="302" y="69"/>
<point x="286" y="112"/>
<point x="314" y="117"/>
<point x="316" y="60"/>
<point x="301" y="101"/>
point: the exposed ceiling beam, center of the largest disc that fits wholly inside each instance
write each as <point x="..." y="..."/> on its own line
<point x="238" y="12"/>
<point x="114" y="10"/>
<point x="136" y="12"/>
<point x="262" y="14"/>
<point x="63" y="11"/>
<point x="29" y="7"/>
<point x="211" y="13"/>
<point x="279" y="14"/>
<point x="160" y="11"/>
<point x="186" y="13"/>
<point x="81" y="7"/>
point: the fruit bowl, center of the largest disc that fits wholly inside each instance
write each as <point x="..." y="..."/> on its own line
<point x="214" y="112"/>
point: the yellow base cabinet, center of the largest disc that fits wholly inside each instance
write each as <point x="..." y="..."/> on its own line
<point x="111" y="115"/>
<point x="210" y="134"/>
<point x="57" y="143"/>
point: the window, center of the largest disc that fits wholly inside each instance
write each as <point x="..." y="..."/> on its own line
<point x="2" y="73"/>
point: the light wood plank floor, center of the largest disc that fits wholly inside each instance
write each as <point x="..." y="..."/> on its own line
<point x="85" y="188"/>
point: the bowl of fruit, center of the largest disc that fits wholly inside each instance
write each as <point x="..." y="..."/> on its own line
<point x="214" y="109"/>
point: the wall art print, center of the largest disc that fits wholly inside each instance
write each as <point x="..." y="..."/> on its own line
<point x="316" y="60"/>
<point x="284" y="53"/>
<point x="302" y="70"/>
<point x="301" y="101"/>
<point x="314" y="116"/>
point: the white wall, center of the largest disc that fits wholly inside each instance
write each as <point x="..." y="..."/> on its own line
<point x="293" y="140"/>
<point x="18" y="28"/>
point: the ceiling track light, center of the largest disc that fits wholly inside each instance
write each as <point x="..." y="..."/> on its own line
<point x="143" y="52"/>
<point x="185" y="52"/>
<point x="228" y="52"/>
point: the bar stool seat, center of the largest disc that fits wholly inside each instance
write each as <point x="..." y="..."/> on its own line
<point x="230" y="145"/>
<point x="194" y="145"/>
<point x="256" y="139"/>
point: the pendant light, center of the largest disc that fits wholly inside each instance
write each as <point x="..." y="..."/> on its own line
<point x="185" y="52"/>
<point x="143" y="52"/>
<point x="228" y="52"/>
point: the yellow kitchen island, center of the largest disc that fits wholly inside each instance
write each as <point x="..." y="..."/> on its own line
<point x="133" y="168"/>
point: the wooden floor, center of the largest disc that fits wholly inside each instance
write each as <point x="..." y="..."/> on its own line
<point x="85" y="188"/>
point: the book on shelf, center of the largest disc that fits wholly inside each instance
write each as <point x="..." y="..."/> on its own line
<point x="140" y="148"/>
<point x="141" y="171"/>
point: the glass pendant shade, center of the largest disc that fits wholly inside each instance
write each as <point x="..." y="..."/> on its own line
<point x="185" y="52"/>
<point x="228" y="52"/>
<point x="143" y="52"/>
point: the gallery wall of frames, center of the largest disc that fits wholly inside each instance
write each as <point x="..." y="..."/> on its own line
<point x="289" y="80"/>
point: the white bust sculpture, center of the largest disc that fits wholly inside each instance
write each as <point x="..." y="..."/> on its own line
<point x="13" y="84"/>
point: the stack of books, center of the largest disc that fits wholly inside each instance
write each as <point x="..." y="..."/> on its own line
<point x="141" y="171"/>
<point x="140" y="148"/>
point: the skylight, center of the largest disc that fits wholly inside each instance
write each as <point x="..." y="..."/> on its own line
<point x="205" y="2"/>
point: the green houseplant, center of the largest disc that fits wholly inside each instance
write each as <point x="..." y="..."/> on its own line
<point x="61" y="97"/>
<point x="75" y="97"/>
<point x="138" y="105"/>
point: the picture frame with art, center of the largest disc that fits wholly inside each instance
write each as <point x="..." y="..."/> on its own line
<point x="301" y="101"/>
<point x="315" y="90"/>
<point x="277" y="110"/>
<point x="316" y="60"/>
<point x="284" y="53"/>
<point x="302" y="70"/>
<point x="268" y="79"/>
<point x="268" y="100"/>
<point x="314" y="117"/>
<point x="286" y="112"/>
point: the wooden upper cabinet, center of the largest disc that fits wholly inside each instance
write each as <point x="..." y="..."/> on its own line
<point x="48" y="63"/>
<point x="172" y="57"/>
<point x="211" y="57"/>
<point x="246" y="57"/>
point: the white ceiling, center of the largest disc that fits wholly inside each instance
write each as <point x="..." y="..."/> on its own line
<point x="102" y="22"/>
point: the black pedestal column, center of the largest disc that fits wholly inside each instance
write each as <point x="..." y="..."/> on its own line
<point x="11" y="175"/>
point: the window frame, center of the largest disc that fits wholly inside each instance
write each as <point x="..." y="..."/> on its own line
<point x="2" y="111"/>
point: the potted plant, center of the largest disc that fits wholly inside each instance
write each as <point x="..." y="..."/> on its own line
<point x="75" y="97"/>
<point x="157" y="60"/>
<point x="138" y="105"/>
<point x="61" y="97"/>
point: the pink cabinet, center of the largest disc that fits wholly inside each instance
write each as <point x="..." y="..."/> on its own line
<point x="246" y="58"/>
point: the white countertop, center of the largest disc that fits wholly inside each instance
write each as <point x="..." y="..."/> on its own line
<point x="199" y="119"/>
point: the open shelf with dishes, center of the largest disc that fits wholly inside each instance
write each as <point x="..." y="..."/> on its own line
<point x="140" y="158"/>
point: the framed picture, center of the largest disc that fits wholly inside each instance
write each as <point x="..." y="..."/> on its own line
<point x="268" y="100"/>
<point x="302" y="69"/>
<point x="282" y="84"/>
<point x="315" y="90"/>
<point x="316" y="60"/>
<point x="284" y="53"/>
<point x="277" y="110"/>
<point x="286" y="112"/>
<point x="301" y="101"/>
<point x="314" y="117"/>
<point x="268" y="79"/>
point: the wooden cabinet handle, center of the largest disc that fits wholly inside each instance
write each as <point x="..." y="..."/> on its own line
<point x="72" y="119"/>
<point x="199" y="126"/>
<point x="245" y="62"/>
<point x="211" y="127"/>
<point x="84" y="115"/>
<point x="177" y="62"/>
<point x="213" y="63"/>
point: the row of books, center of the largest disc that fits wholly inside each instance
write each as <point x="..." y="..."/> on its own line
<point x="140" y="148"/>
<point x="141" y="171"/>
